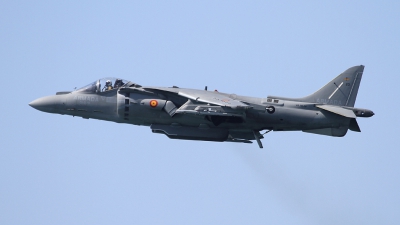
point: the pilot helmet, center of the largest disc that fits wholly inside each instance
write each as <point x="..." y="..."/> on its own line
<point x="108" y="82"/>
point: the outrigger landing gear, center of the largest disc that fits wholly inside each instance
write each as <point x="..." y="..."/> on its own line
<point x="257" y="135"/>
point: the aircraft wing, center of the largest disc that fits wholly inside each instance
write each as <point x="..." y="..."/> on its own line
<point x="208" y="97"/>
<point x="214" y="98"/>
<point x="216" y="107"/>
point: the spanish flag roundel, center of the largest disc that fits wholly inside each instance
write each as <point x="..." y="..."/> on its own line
<point x="153" y="103"/>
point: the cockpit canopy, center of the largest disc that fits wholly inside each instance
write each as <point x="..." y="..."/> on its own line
<point x="103" y="85"/>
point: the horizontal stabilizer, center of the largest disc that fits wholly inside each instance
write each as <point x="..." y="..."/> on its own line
<point x="338" y="110"/>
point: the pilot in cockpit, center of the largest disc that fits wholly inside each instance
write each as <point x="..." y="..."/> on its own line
<point x="118" y="83"/>
<point x="108" y="86"/>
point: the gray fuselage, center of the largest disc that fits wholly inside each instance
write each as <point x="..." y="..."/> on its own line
<point x="129" y="108"/>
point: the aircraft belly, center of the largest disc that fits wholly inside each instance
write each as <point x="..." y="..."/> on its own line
<point x="191" y="133"/>
<point x="285" y="118"/>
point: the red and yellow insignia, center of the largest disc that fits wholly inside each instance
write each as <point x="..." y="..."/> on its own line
<point x="153" y="103"/>
<point x="346" y="79"/>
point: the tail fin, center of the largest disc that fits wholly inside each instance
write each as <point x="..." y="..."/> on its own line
<point x="340" y="91"/>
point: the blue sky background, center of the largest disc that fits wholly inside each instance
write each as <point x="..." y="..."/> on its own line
<point x="63" y="170"/>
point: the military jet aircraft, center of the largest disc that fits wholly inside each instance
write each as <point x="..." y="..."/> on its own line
<point x="190" y="114"/>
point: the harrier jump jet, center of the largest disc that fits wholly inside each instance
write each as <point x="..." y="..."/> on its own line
<point x="190" y="114"/>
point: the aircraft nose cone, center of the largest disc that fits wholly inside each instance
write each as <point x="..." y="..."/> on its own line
<point x="46" y="104"/>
